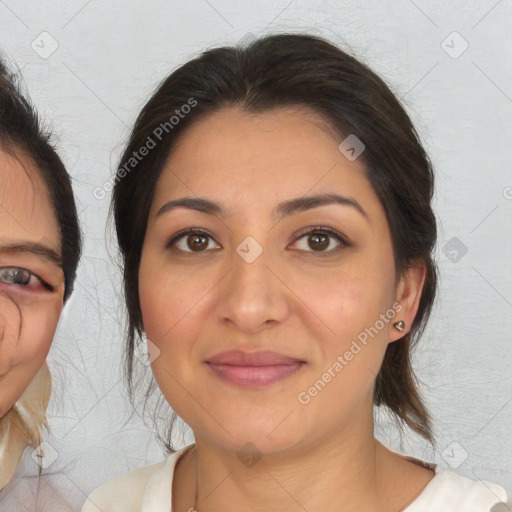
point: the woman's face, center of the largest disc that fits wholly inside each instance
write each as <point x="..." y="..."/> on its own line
<point x="254" y="280"/>
<point x="31" y="277"/>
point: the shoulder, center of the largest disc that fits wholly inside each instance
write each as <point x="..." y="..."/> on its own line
<point x="474" y="491"/>
<point x="457" y="493"/>
<point x="140" y="489"/>
<point x="123" y="494"/>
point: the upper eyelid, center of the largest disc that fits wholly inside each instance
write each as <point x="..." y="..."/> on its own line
<point x="16" y="267"/>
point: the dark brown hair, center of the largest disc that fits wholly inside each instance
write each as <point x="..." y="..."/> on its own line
<point x="20" y="129"/>
<point x="296" y="70"/>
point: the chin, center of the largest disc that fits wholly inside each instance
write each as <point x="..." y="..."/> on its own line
<point x="248" y="438"/>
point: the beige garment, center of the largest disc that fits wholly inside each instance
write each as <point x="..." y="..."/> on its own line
<point x="22" y="425"/>
<point x="150" y="490"/>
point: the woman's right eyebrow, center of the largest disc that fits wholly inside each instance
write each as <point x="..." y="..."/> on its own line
<point x="37" y="248"/>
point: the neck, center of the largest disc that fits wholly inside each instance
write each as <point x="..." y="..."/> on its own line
<point x="349" y="469"/>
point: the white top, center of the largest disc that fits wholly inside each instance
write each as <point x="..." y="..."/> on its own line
<point x="150" y="490"/>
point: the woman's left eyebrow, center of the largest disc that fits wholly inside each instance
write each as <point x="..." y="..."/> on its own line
<point x="36" y="248"/>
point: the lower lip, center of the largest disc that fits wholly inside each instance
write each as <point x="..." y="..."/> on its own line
<point x="255" y="376"/>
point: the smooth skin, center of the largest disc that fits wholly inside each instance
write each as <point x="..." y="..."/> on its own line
<point x="29" y="310"/>
<point x="301" y="297"/>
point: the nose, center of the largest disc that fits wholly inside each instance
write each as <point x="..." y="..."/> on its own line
<point x="252" y="295"/>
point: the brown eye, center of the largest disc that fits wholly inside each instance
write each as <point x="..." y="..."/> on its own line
<point x="319" y="239"/>
<point x="190" y="241"/>
<point x="197" y="242"/>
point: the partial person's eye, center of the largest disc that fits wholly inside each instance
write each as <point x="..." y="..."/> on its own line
<point x="318" y="238"/>
<point x="21" y="278"/>
<point x="196" y="240"/>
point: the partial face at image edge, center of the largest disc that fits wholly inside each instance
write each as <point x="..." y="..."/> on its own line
<point x="31" y="276"/>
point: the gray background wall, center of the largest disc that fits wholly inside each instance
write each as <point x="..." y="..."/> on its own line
<point x="89" y="66"/>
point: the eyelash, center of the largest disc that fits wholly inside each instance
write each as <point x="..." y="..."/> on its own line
<point x="308" y="231"/>
<point x="23" y="286"/>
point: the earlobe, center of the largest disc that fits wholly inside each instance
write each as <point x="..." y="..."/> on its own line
<point x="408" y="295"/>
<point x="400" y="325"/>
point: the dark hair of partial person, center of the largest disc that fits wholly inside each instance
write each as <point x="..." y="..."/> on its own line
<point x="296" y="70"/>
<point x="22" y="131"/>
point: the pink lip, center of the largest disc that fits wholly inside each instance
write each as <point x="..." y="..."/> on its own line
<point x="253" y="369"/>
<point x="261" y="358"/>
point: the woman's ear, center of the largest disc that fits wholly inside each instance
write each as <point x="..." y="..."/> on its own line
<point x="408" y="294"/>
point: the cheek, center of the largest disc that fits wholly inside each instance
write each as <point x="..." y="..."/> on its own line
<point x="171" y="301"/>
<point x="26" y="331"/>
<point x="351" y="343"/>
<point x="351" y="337"/>
<point x="26" y="334"/>
<point x="38" y="332"/>
<point x="171" y="304"/>
<point x="10" y="333"/>
<point x="344" y="302"/>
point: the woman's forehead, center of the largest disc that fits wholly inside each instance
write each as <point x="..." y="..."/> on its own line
<point x="272" y="157"/>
